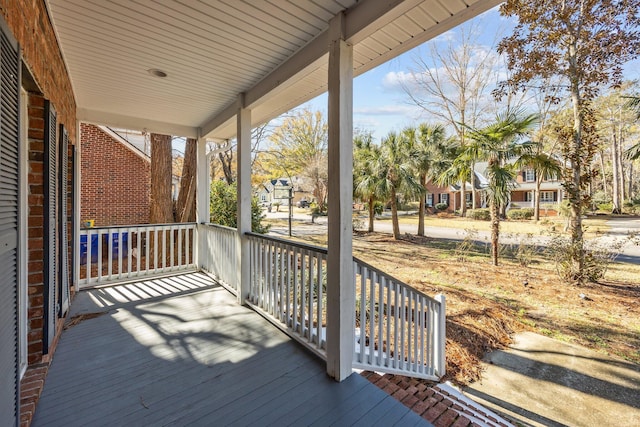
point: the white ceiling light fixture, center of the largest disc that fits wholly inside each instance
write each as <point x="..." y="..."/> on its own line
<point x="155" y="72"/>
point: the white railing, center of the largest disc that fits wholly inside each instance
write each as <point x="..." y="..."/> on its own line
<point x="217" y="254"/>
<point x="122" y="253"/>
<point x="399" y="330"/>
<point x="288" y="283"/>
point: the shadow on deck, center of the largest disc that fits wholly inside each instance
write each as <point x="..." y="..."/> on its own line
<point x="181" y="351"/>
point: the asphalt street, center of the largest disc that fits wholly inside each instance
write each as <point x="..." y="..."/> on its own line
<point x="620" y="230"/>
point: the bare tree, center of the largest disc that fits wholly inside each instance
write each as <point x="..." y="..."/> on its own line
<point x="454" y="85"/>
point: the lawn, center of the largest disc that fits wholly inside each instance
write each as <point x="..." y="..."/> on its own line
<point x="486" y="305"/>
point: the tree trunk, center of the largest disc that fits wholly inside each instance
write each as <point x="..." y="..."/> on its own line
<point x="371" y="213"/>
<point x="495" y="231"/>
<point x="615" y="163"/>
<point x="536" y="199"/>
<point x="423" y="200"/>
<point x="603" y="175"/>
<point x="463" y="199"/>
<point x="575" y="186"/>
<point x="473" y="186"/>
<point x="226" y="160"/>
<point x="630" y="194"/>
<point x="161" y="205"/>
<point x="394" y="214"/>
<point x="186" y="205"/>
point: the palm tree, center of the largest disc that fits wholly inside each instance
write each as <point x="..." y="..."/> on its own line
<point x="545" y="166"/>
<point x="429" y="145"/>
<point x="497" y="144"/>
<point x="454" y="168"/>
<point x="367" y="179"/>
<point x="396" y="165"/>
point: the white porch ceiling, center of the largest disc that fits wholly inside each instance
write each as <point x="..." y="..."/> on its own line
<point x="273" y="51"/>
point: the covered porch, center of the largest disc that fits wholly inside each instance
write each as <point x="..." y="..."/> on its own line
<point x="181" y="351"/>
<point x="209" y="70"/>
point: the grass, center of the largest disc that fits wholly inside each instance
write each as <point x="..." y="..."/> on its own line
<point x="593" y="225"/>
<point x="486" y="305"/>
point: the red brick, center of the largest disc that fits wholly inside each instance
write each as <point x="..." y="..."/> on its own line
<point x="420" y="407"/>
<point x="434" y="412"/>
<point x="446" y="419"/>
<point x="391" y="388"/>
<point x="116" y="182"/>
<point x="400" y="394"/>
<point x="461" y="422"/>
<point x="410" y="400"/>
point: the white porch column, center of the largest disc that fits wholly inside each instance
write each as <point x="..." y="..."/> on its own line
<point x="202" y="199"/>
<point x="340" y="276"/>
<point x="243" y="160"/>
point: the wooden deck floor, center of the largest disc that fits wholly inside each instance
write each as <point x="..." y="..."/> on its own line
<point x="180" y="351"/>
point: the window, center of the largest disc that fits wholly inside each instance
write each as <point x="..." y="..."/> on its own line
<point x="547" y="196"/>
<point x="444" y="198"/>
<point x="529" y="175"/>
<point x="528" y="196"/>
<point x="429" y="202"/>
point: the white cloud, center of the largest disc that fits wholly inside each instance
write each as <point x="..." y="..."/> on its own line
<point x="396" y="81"/>
<point x="386" y="110"/>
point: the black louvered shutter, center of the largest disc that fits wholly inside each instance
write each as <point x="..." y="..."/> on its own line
<point x="9" y="143"/>
<point x="74" y="219"/>
<point x="63" y="277"/>
<point x="50" y="226"/>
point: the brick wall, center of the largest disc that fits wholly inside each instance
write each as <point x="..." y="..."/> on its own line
<point x="35" y="228"/>
<point x="46" y="77"/>
<point x="30" y="25"/>
<point x="115" y="183"/>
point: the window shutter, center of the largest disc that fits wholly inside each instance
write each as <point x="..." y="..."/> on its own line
<point x="50" y="226"/>
<point x="9" y="184"/>
<point x="63" y="277"/>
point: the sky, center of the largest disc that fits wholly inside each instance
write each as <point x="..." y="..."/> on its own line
<point x="380" y="104"/>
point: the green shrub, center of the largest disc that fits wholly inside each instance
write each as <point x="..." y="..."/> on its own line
<point x="223" y="208"/>
<point x="520" y="214"/>
<point x="606" y="207"/>
<point x="441" y="206"/>
<point x="482" y="214"/>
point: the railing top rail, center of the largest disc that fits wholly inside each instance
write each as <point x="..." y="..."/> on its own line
<point x="289" y="242"/>
<point x="115" y="227"/>
<point x="222" y="227"/>
<point x="382" y="273"/>
<point x="355" y="259"/>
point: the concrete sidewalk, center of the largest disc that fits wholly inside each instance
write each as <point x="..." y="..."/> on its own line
<point x="540" y="381"/>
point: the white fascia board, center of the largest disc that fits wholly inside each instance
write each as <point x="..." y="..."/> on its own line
<point x="129" y="146"/>
<point x="470" y="12"/>
<point x="360" y="22"/>
<point x="135" y="123"/>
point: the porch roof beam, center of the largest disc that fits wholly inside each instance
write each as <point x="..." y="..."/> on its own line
<point x="135" y="123"/>
<point x="361" y="21"/>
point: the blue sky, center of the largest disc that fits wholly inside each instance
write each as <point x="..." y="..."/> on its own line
<point x="380" y="103"/>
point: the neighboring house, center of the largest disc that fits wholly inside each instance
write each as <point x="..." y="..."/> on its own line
<point x="451" y="194"/>
<point x="116" y="178"/>
<point x="277" y="191"/>
<point x="551" y="192"/>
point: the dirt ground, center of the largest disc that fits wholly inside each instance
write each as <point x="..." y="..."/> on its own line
<point x="487" y="304"/>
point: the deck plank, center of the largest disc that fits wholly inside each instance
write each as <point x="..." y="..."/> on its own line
<point x="194" y="357"/>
